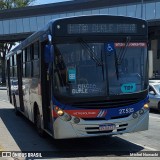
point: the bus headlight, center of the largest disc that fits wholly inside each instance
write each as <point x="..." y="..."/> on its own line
<point x="59" y="111"/>
<point x="146" y="106"/>
<point x="65" y="116"/>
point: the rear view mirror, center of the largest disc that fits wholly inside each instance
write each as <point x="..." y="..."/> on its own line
<point x="152" y="93"/>
<point x="48" y="53"/>
<point x="50" y="38"/>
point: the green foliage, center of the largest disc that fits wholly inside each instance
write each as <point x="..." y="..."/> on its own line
<point x="8" y="4"/>
<point x="22" y="3"/>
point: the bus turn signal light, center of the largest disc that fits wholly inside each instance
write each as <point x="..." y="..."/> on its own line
<point x="65" y="116"/>
<point x="60" y="112"/>
<point x="146" y="106"/>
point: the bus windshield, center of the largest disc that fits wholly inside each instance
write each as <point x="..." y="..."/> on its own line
<point x="99" y="69"/>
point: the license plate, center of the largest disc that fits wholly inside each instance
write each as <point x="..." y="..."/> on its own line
<point x="107" y="127"/>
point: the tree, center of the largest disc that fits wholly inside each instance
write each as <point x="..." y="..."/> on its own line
<point x="8" y="4"/>
<point x="6" y="46"/>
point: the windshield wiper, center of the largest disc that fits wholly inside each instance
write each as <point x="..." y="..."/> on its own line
<point x="119" y="58"/>
<point x="116" y="64"/>
<point x="90" y="52"/>
<point x="123" y="51"/>
<point x="110" y="51"/>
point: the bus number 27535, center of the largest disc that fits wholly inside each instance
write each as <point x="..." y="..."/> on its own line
<point x="126" y="110"/>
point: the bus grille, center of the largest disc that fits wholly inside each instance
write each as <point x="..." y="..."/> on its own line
<point x="107" y="103"/>
<point x="103" y="118"/>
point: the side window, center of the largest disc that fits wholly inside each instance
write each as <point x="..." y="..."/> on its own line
<point x="27" y="62"/>
<point x="11" y="72"/>
<point x="11" y="66"/>
<point x="24" y="55"/>
<point x="11" y="63"/>
<point x="35" y="62"/>
<point x="15" y="71"/>
<point x="30" y="61"/>
<point x="15" y="60"/>
<point x="28" y="52"/>
<point x="36" y="51"/>
<point x="24" y="70"/>
<point x="14" y="65"/>
<point x="36" y="68"/>
<point x="23" y="64"/>
<point x="28" y="66"/>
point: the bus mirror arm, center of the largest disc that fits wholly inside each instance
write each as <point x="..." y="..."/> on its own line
<point x="50" y="39"/>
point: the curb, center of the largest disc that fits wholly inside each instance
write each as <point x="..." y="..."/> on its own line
<point x="3" y="88"/>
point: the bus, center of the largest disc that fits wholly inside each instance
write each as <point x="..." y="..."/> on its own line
<point x="82" y="76"/>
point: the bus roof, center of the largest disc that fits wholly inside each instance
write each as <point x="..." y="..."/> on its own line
<point x="47" y="29"/>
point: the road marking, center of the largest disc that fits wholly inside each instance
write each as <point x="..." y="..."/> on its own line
<point x="154" y="117"/>
<point x="146" y="147"/>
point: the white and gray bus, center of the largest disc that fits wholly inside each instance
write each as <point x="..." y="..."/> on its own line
<point x="82" y="76"/>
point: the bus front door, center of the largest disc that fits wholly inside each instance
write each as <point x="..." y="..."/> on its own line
<point x="46" y="91"/>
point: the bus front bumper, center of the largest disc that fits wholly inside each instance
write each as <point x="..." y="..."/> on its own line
<point x="88" y="128"/>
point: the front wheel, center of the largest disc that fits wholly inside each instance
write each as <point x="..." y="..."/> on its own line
<point x="38" y="124"/>
<point x="159" y="107"/>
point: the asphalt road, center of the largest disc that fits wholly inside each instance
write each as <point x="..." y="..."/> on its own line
<point x="18" y="134"/>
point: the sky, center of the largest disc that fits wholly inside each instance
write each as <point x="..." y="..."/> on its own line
<point x="39" y="2"/>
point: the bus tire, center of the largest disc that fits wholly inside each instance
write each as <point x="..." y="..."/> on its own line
<point x="38" y="123"/>
<point x="159" y="107"/>
<point x="15" y="106"/>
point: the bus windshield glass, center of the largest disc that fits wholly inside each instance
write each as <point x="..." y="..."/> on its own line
<point x="99" y="69"/>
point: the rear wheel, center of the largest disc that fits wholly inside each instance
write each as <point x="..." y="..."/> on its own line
<point x="15" y="106"/>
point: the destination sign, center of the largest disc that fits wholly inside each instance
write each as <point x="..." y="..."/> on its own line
<point x="101" y="28"/>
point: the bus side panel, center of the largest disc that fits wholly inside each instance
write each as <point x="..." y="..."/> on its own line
<point x="26" y="91"/>
<point x="35" y="97"/>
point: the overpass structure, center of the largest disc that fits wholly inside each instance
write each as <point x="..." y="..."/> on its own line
<point x="17" y="24"/>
